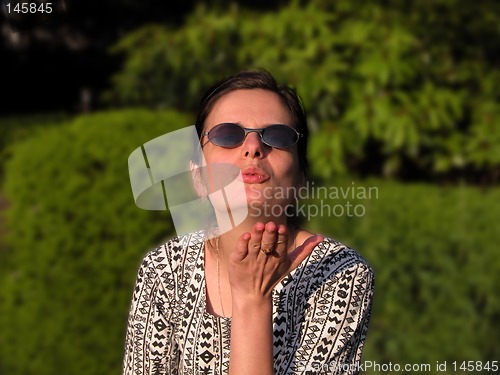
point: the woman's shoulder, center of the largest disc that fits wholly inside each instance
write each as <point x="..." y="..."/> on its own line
<point x="175" y="249"/>
<point x="330" y="273"/>
<point x="333" y="257"/>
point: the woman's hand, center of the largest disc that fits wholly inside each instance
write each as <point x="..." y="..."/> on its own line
<point x="252" y="272"/>
<point x="252" y="275"/>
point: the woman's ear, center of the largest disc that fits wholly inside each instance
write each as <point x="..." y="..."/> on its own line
<point x="199" y="186"/>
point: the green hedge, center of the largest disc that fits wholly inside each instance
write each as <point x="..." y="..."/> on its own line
<point x="16" y="128"/>
<point x="76" y="239"/>
<point x="437" y="269"/>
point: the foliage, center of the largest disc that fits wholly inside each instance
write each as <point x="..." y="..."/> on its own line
<point x="437" y="268"/>
<point x="399" y="89"/>
<point x="76" y="239"/>
<point x="14" y="129"/>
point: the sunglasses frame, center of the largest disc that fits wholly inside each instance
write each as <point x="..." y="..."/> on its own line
<point x="259" y="131"/>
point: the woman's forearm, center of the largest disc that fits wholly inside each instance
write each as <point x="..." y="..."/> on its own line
<point x="252" y="337"/>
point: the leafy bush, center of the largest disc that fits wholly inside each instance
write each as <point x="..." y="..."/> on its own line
<point x="16" y="128"/>
<point x="437" y="269"/>
<point x="398" y="90"/>
<point x="76" y="239"/>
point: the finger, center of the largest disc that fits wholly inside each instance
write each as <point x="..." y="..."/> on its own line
<point x="241" y="250"/>
<point x="256" y="239"/>
<point x="282" y="241"/>
<point x="269" y="238"/>
<point x="300" y="253"/>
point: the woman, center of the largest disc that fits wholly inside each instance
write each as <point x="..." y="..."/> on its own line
<point x="263" y="297"/>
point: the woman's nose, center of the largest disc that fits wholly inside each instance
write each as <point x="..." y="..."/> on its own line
<point x="253" y="146"/>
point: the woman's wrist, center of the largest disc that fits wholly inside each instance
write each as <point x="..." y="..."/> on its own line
<point x="252" y="336"/>
<point x="252" y="304"/>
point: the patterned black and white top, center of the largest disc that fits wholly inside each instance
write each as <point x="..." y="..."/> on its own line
<point x="320" y="314"/>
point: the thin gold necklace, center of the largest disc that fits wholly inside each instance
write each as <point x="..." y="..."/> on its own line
<point x="218" y="274"/>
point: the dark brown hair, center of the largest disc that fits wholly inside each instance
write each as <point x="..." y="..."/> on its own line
<point x="259" y="79"/>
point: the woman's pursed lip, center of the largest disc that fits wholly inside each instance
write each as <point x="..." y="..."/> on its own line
<point x="253" y="175"/>
<point x="254" y="178"/>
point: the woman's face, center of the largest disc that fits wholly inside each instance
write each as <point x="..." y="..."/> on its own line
<point x="266" y="171"/>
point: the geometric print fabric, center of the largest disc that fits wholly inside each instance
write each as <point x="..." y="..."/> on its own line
<point x="321" y="313"/>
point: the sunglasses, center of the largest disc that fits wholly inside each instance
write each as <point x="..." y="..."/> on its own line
<point x="231" y="135"/>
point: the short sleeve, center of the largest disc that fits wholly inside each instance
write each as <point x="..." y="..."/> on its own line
<point x="149" y="346"/>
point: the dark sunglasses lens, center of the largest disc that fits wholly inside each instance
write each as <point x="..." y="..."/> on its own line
<point x="280" y="136"/>
<point x="226" y="135"/>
